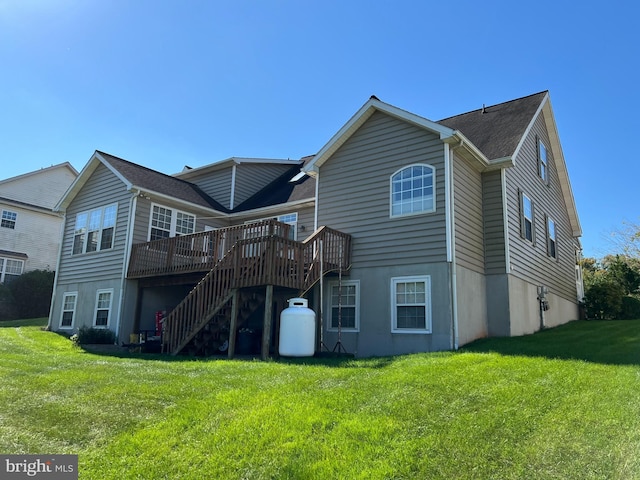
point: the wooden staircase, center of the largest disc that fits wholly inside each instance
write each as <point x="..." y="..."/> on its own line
<point x="272" y="260"/>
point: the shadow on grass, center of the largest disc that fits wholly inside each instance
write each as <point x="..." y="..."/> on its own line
<point x="31" y="322"/>
<point x="611" y="342"/>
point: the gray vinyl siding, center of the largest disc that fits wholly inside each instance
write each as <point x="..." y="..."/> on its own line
<point x="216" y="184"/>
<point x="354" y="191"/>
<point x="252" y="177"/>
<point x="493" y="215"/>
<point x="530" y="261"/>
<point x="469" y="243"/>
<point x="101" y="189"/>
<point x="143" y="218"/>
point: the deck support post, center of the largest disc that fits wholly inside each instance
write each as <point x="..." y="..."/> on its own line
<point x="266" y="328"/>
<point x="233" y="323"/>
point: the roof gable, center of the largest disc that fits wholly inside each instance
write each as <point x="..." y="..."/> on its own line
<point x="360" y="117"/>
<point x="137" y="177"/>
<point x="498" y="130"/>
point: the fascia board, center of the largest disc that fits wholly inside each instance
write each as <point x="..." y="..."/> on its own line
<point x="233" y="161"/>
<point x="79" y="182"/>
<point x="157" y="196"/>
<point x="561" y="167"/>
<point x="361" y="116"/>
<point x="279" y="208"/>
<point x="524" y="136"/>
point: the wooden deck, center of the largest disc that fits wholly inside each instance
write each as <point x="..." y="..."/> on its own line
<point x="249" y="255"/>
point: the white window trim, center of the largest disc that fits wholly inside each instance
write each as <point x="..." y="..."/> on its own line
<point x="14" y="220"/>
<point x="73" y="315"/>
<point x="345" y="283"/>
<point x="85" y="242"/>
<point x="428" y="318"/>
<point x="3" y="267"/>
<point x="433" y="185"/>
<point x="540" y="146"/>
<point x="554" y="239"/>
<point x="174" y="220"/>
<point x="523" y="219"/>
<point x="109" y="310"/>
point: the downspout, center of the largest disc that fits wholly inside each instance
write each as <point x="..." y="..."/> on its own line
<point x="55" y="280"/>
<point x="133" y="204"/>
<point x="450" y="237"/>
<point x="233" y="187"/>
<point x="315" y="213"/>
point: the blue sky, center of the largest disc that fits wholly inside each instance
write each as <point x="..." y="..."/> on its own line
<point x="173" y="83"/>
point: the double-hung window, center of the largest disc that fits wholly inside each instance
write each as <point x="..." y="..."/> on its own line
<point x="527" y="224"/>
<point x="167" y="222"/>
<point x="412" y="190"/>
<point x="344" y="308"/>
<point x="411" y="304"/>
<point x="552" y="245"/>
<point x="94" y="230"/>
<point x="10" y="269"/>
<point x="543" y="162"/>
<point x="8" y="219"/>
<point x="103" y="308"/>
<point x="68" y="309"/>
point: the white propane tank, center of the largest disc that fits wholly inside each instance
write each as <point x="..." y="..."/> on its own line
<point x="297" y="329"/>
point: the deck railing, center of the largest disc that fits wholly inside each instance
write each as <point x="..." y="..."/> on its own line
<point x="198" y="252"/>
<point x="266" y="260"/>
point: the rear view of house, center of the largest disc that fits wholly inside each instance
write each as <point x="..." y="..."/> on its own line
<point x="405" y="234"/>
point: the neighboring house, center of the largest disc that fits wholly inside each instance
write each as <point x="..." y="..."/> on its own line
<point x="30" y="231"/>
<point x="407" y="235"/>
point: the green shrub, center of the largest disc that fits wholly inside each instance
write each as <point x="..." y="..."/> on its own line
<point x="603" y="300"/>
<point x="31" y="293"/>
<point x="630" y="308"/>
<point x="8" y="309"/>
<point x="87" y="335"/>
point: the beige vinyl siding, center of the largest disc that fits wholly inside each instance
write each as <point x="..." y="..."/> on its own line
<point x="354" y="189"/>
<point x="101" y="189"/>
<point x="36" y="234"/>
<point x="216" y="184"/>
<point x="493" y="215"/>
<point x="252" y="177"/>
<point x="530" y="261"/>
<point x="43" y="188"/>
<point x="467" y="189"/>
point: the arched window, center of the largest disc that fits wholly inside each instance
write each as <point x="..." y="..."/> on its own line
<point x="412" y="190"/>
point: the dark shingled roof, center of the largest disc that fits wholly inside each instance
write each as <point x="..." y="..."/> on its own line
<point x="155" y="181"/>
<point x="281" y="190"/>
<point x="498" y="130"/>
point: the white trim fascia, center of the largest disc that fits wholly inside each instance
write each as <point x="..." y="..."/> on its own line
<point x="529" y="127"/>
<point x="154" y="196"/>
<point x="279" y="208"/>
<point x="361" y="116"/>
<point x="234" y="161"/>
<point x="42" y="170"/>
<point x="232" y="195"/>
<point x="561" y="168"/>
<point x="30" y="207"/>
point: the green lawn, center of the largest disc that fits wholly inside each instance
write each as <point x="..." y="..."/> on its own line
<point x="562" y="404"/>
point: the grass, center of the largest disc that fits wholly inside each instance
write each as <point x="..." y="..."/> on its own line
<point x="563" y="403"/>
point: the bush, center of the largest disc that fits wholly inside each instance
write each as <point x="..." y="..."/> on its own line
<point x="31" y="293"/>
<point x="8" y="310"/>
<point x="630" y="308"/>
<point x="603" y="300"/>
<point x="87" y="335"/>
